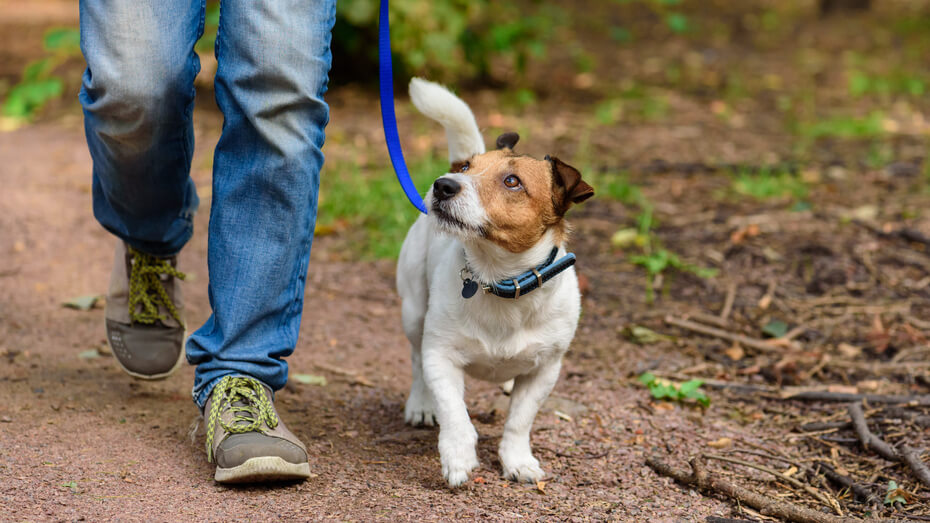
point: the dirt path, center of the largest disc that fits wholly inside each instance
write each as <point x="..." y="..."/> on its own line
<point x="79" y="439"/>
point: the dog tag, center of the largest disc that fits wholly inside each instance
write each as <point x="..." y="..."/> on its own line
<point x="469" y="288"/>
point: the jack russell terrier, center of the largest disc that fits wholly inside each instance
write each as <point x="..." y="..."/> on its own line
<point x="487" y="286"/>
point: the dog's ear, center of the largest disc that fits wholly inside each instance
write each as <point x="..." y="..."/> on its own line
<point x="567" y="186"/>
<point x="508" y="140"/>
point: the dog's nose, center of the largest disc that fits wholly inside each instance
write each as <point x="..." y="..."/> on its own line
<point x="445" y="188"/>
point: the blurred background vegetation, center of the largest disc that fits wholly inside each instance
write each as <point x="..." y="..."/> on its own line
<point x="779" y="97"/>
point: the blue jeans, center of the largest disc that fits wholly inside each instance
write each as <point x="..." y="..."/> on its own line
<point x="138" y="96"/>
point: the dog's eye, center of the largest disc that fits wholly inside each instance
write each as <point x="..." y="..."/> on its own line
<point x="512" y="182"/>
<point x="465" y="167"/>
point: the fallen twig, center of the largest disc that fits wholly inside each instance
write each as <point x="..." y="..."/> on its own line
<point x="905" y="233"/>
<point x="908" y="455"/>
<point x="708" y="319"/>
<point x="822" y="395"/>
<point x="869" y="440"/>
<point x="819" y="426"/>
<point x="356" y="378"/>
<point x="787" y="479"/>
<point x="722" y="334"/>
<point x="860" y="492"/>
<point x="911" y="457"/>
<point x="728" y="301"/>
<point x="765" y="505"/>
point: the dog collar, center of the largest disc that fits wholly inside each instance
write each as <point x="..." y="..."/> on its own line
<point x="520" y="285"/>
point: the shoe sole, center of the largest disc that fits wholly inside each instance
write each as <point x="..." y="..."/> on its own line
<point x="153" y="377"/>
<point x="263" y="469"/>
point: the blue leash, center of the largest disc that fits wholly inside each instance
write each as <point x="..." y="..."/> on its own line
<point x="388" y="119"/>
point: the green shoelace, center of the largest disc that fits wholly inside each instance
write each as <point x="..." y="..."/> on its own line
<point x="251" y="408"/>
<point x="147" y="291"/>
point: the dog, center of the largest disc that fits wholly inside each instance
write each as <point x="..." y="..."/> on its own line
<point x="495" y="224"/>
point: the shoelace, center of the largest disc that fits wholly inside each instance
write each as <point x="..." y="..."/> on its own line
<point x="251" y="408"/>
<point x="147" y="291"/>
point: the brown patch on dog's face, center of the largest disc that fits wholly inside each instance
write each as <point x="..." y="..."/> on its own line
<point x="524" y="197"/>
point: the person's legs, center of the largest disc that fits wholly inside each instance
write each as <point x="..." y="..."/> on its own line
<point x="138" y="94"/>
<point x="274" y="60"/>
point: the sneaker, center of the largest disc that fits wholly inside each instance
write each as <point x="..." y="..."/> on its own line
<point x="144" y="314"/>
<point x="245" y="437"/>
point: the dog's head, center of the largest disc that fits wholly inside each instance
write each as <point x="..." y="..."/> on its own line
<point x="509" y="199"/>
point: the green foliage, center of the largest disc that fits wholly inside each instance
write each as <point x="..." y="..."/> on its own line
<point x="862" y="84"/>
<point x="769" y="183"/>
<point x="656" y="259"/>
<point x="634" y="102"/>
<point x="66" y="40"/>
<point x="677" y="22"/>
<point x="775" y="328"/>
<point x="621" y="35"/>
<point x="615" y="186"/>
<point x="446" y="39"/>
<point x="664" y="389"/>
<point x="39" y="85"/>
<point x="893" y="494"/>
<point x="210" y="25"/>
<point x="846" y="127"/>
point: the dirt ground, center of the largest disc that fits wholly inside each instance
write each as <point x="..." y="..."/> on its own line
<point x="125" y="443"/>
<point x="846" y="270"/>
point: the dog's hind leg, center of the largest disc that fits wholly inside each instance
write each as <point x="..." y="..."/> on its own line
<point x="412" y="287"/>
<point x="421" y="407"/>
<point x="529" y="393"/>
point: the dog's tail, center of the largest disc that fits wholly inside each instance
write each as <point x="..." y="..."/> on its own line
<point x="438" y="103"/>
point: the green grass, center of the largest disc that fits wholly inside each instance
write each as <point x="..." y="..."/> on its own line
<point x="613" y="185"/>
<point x="898" y="83"/>
<point x="39" y="83"/>
<point x="765" y="185"/>
<point x="372" y="202"/>
<point x="845" y="127"/>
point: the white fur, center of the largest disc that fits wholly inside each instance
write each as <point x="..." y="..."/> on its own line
<point x="487" y="337"/>
<point x="436" y="102"/>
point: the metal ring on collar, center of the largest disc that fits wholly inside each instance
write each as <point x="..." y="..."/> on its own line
<point x="516" y="294"/>
<point x="538" y="277"/>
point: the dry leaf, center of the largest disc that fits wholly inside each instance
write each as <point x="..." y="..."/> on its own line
<point x="765" y="301"/>
<point x="792" y="470"/>
<point x="82" y="303"/>
<point x="849" y="351"/>
<point x="721" y="443"/>
<point x="749" y="231"/>
<point x="310" y="379"/>
<point x="735" y="352"/>
<point x="541" y="486"/>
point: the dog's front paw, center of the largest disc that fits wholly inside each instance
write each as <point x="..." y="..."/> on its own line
<point x="456" y="468"/>
<point x="420" y="410"/>
<point x="457" y="454"/>
<point x="522" y="467"/>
